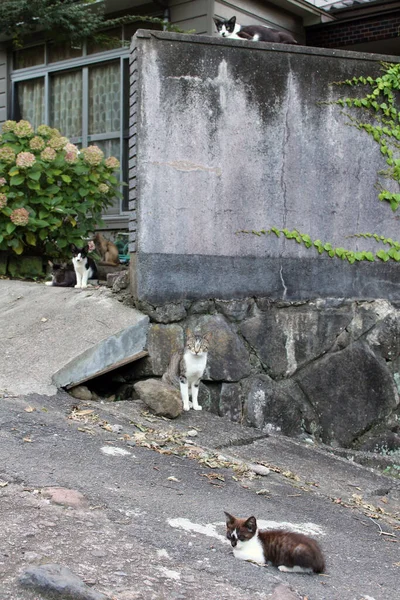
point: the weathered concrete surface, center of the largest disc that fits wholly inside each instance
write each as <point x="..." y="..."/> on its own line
<point x="154" y="527"/>
<point x="233" y="135"/>
<point x="45" y="328"/>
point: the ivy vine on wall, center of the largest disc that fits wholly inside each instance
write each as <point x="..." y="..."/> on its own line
<point x="383" y="122"/>
<point x="380" y="106"/>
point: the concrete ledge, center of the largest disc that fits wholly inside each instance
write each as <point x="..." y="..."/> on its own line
<point x="115" y="351"/>
<point x="160" y="278"/>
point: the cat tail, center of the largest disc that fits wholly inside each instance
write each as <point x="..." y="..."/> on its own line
<point x="104" y="263"/>
<point x="171" y="375"/>
<point x="309" y="556"/>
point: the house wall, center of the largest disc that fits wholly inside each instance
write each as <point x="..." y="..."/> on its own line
<point x="357" y="31"/>
<point x="3" y="85"/>
<point x="190" y="15"/>
<point x="228" y="136"/>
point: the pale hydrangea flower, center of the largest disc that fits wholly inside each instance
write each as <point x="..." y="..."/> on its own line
<point x="9" y="126"/>
<point x="23" y="129"/>
<point x="71" y="158"/>
<point x="3" y="201"/>
<point x="37" y="143"/>
<point x="20" y="216"/>
<point x="103" y="188"/>
<point x="44" y="130"/>
<point x="71" y="153"/>
<point x="25" y="160"/>
<point x="57" y="142"/>
<point x="48" y="154"/>
<point x="93" y="155"/>
<point x="7" y="155"/>
<point x="112" y="163"/>
<point x="2" y="181"/>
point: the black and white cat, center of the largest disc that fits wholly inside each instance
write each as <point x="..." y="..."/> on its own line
<point x="62" y="275"/>
<point x="290" y="552"/>
<point x="186" y="368"/>
<point x="84" y="266"/>
<point x="256" y="33"/>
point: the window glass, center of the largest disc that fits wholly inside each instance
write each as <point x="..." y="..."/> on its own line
<point x="29" y="57"/>
<point x="30" y="101"/>
<point x="63" y="51"/>
<point x="104" y="99"/>
<point x="66" y="103"/>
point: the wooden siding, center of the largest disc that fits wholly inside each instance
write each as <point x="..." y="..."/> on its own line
<point x="251" y="12"/>
<point x="3" y="84"/>
<point x="190" y="15"/>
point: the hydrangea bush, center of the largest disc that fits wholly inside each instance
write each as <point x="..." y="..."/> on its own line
<point x="51" y="193"/>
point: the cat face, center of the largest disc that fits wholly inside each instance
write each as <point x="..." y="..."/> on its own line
<point x="224" y="27"/>
<point x="240" y="530"/>
<point x="198" y="344"/>
<point x="79" y="254"/>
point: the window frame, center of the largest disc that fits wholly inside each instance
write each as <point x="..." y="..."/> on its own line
<point x="83" y="63"/>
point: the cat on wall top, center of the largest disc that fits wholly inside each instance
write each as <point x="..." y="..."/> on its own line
<point x="256" y="33"/>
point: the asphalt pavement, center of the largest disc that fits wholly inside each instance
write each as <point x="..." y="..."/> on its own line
<point x="133" y="505"/>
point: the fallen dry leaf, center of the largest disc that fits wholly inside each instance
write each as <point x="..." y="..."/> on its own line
<point x="30" y="409"/>
<point x="43" y="320"/>
<point x="3" y="483"/>
<point x="27" y="439"/>
<point x="82" y="413"/>
<point x="172" y="478"/>
<point x="211" y="476"/>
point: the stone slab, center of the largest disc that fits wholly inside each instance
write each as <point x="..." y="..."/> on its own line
<point x="74" y="333"/>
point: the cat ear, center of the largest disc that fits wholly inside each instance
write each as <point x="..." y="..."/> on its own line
<point x="73" y="247"/>
<point x="207" y="336"/>
<point x="217" y="21"/>
<point x="251" y="524"/>
<point x="232" y="20"/>
<point x="229" y="518"/>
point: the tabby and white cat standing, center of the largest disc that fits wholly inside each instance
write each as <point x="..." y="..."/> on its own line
<point x="186" y="368"/>
<point x="290" y="552"/>
<point x="85" y="267"/>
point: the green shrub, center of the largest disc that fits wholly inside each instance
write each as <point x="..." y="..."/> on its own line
<point x="51" y="193"/>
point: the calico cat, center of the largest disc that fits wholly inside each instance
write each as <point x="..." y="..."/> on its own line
<point x="62" y="275"/>
<point x="187" y="368"/>
<point x="290" y="552"/>
<point x="85" y="267"/>
<point x="256" y="33"/>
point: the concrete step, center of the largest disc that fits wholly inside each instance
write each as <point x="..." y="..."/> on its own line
<point x="59" y="337"/>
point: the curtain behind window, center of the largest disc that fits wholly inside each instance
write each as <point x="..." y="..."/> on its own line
<point x="30" y="97"/>
<point x="66" y="103"/>
<point x="104" y="99"/>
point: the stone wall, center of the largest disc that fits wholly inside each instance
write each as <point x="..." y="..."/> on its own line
<point x="231" y="135"/>
<point x="326" y="368"/>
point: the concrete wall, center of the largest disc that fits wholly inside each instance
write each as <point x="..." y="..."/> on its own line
<point x="231" y="135"/>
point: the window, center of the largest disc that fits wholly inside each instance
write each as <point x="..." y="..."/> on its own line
<point x="82" y="92"/>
